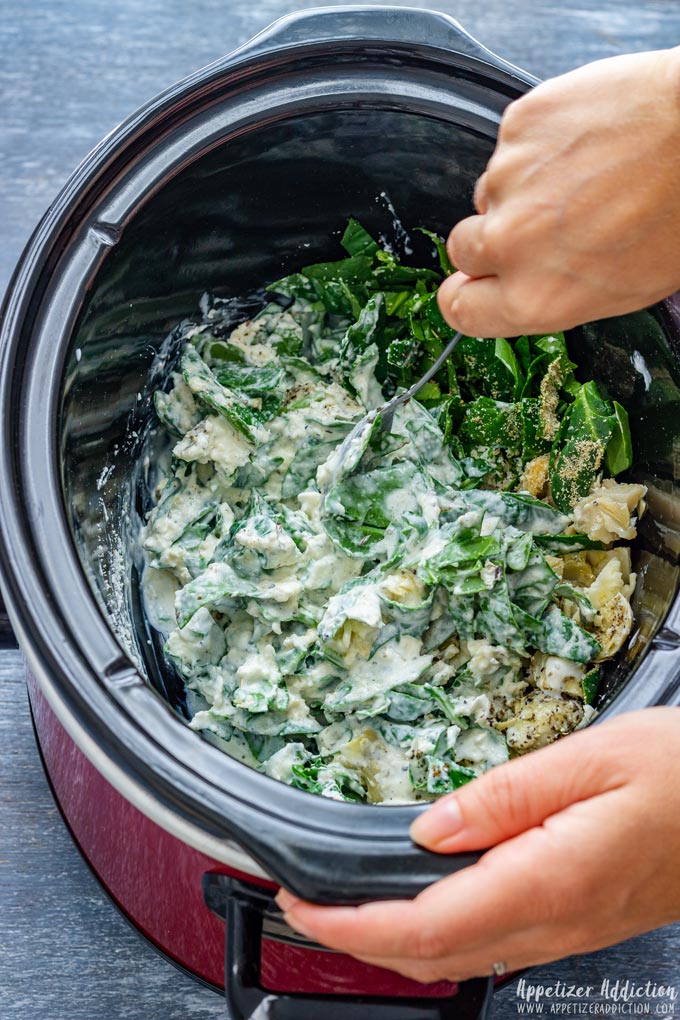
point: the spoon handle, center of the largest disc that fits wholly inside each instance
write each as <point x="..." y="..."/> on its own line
<point x="387" y="411"/>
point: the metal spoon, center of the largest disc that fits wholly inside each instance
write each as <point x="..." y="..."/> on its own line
<point x="386" y="411"/>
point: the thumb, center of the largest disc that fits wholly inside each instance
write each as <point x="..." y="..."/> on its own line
<point x="521" y="794"/>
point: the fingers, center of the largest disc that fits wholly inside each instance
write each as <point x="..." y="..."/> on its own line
<point x="521" y="904"/>
<point x="390" y="928"/>
<point x="526" y="902"/>
<point x="467" y="249"/>
<point x="452" y="968"/>
<point x="468" y="910"/>
<point x="515" y="951"/>
<point x="527" y="948"/>
<point x="514" y="797"/>
<point x="473" y="306"/>
<point x="511" y="304"/>
<point x="575" y="883"/>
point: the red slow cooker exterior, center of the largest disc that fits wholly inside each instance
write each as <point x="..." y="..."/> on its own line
<point x="155" y="880"/>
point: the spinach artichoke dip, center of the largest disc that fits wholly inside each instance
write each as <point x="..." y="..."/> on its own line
<point x="385" y="626"/>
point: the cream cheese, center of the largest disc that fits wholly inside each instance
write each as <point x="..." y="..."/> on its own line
<point x="369" y="615"/>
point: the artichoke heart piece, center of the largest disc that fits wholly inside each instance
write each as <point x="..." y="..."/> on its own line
<point x="540" y="719"/>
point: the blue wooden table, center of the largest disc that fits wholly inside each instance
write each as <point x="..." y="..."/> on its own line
<point x="69" y="71"/>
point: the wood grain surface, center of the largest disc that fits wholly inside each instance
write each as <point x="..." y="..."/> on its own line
<point x="70" y="70"/>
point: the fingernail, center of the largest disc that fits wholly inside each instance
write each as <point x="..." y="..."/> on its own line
<point x="285" y="900"/>
<point x="296" y="925"/>
<point x="442" y="820"/>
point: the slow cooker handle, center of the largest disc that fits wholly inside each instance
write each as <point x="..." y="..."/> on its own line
<point x="357" y="23"/>
<point x="242" y="906"/>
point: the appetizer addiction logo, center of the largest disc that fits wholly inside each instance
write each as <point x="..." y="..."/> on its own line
<point x="622" y="997"/>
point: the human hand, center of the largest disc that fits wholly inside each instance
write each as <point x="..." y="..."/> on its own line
<point x="579" y="207"/>
<point x="586" y="846"/>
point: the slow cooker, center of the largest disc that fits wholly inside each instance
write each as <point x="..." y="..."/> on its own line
<point x="232" y="178"/>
